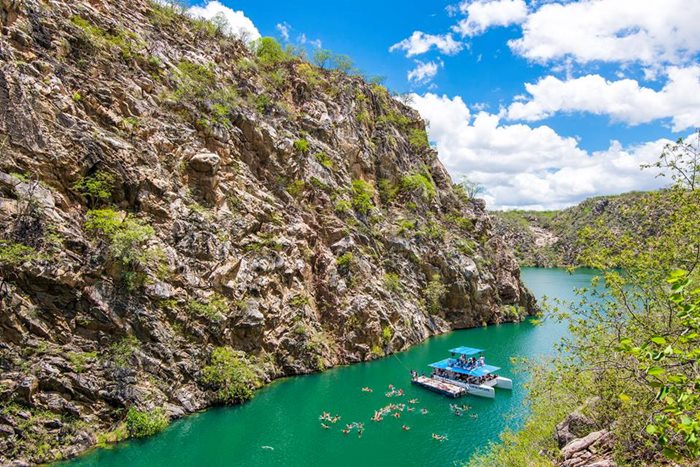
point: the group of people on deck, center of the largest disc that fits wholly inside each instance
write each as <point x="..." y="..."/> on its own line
<point x="469" y="363"/>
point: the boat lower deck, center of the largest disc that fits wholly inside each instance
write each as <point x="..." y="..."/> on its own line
<point x="441" y="387"/>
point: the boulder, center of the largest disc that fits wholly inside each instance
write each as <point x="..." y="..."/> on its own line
<point x="575" y="425"/>
<point x="26" y="389"/>
<point x="206" y="163"/>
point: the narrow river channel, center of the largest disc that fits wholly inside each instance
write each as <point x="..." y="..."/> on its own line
<point x="280" y="425"/>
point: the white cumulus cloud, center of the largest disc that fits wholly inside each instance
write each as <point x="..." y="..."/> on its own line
<point x="238" y="23"/>
<point x="623" y="100"/>
<point x="419" y="43"/>
<point x="424" y="72"/>
<point x="483" y="14"/>
<point x="530" y="167"/>
<point x="283" y="28"/>
<point x="648" y="32"/>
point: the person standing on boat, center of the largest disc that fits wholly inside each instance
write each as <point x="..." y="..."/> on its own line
<point x="482" y="361"/>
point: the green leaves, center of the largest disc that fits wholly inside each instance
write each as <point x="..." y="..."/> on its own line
<point x="269" y="52"/>
<point x="143" y="423"/>
<point x="231" y="374"/>
<point x="658" y="340"/>
<point x="126" y="237"/>
<point x="97" y="188"/>
<point x="362" y="194"/>
<point x="14" y="254"/>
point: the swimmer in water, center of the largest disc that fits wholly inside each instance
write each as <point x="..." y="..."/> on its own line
<point x="396" y="414"/>
<point x="405" y="427"/>
<point x="423" y="411"/>
<point x="324" y="426"/>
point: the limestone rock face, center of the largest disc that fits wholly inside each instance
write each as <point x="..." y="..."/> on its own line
<point x="573" y="426"/>
<point x="594" y="449"/>
<point x="164" y="193"/>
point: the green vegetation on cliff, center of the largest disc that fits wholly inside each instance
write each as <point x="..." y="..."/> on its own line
<point x="552" y="238"/>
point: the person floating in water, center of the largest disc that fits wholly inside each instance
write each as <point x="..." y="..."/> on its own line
<point x="405" y="427"/>
<point x="346" y="431"/>
<point x="324" y="426"/>
<point x="440" y="438"/>
<point x="396" y="414"/>
<point x="366" y="389"/>
<point x="423" y="411"/>
<point x="473" y="415"/>
<point x="411" y="409"/>
<point x="413" y="401"/>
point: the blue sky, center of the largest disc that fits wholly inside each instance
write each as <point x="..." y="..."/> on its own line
<point x="609" y="83"/>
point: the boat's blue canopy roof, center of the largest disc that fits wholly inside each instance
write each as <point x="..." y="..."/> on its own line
<point x="446" y="364"/>
<point x="466" y="350"/>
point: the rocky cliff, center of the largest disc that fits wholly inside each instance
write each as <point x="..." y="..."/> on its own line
<point x="552" y="238"/>
<point x="166" y="193"/>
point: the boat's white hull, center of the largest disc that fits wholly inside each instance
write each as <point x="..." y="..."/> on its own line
<point x="504" y="383"/>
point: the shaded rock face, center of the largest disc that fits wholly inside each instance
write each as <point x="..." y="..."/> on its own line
<point x="255" y="240"/>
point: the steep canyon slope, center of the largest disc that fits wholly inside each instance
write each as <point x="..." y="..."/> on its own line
<point x="554" y="238"/>
<point x="169" y="198"/>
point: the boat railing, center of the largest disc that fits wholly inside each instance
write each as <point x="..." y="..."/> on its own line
<point x="465" y="378"/>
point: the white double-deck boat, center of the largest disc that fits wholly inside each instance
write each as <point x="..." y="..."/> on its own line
<point x="463" y="370"/>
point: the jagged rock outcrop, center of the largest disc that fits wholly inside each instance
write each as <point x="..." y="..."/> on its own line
<point x="582" y="442"/>
<point x="593" y="450"/>
<point x="164" y="192"/>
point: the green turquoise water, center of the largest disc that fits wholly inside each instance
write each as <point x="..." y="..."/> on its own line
<point x="280" y="425"/>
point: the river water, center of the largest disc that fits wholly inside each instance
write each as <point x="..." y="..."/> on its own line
<point x="280" y="425"/>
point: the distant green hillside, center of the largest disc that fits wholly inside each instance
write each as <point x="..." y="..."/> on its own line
<point x="551" y="238"/>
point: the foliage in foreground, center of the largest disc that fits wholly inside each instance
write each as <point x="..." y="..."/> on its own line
<point x="635" y="337"/>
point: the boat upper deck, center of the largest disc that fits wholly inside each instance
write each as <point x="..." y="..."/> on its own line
<point x="452" y="364"/>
